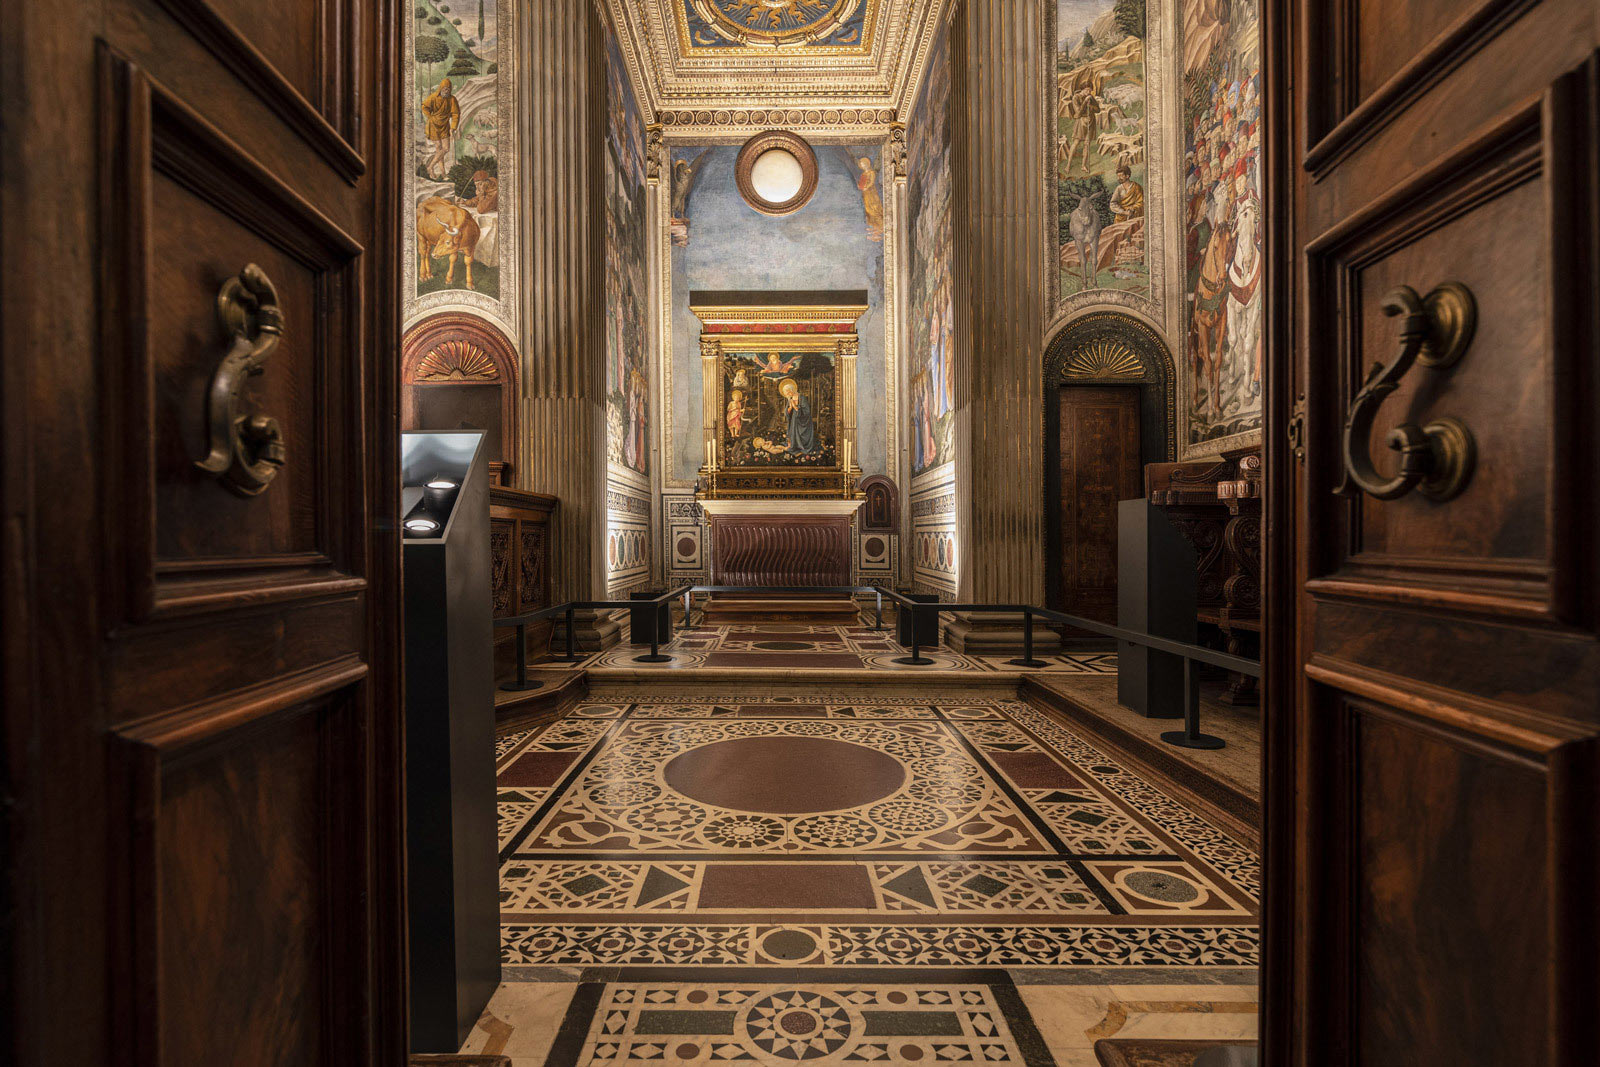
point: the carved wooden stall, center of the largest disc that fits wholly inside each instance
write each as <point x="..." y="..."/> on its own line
<point x="1217" y="506"/>
<point x="459" y="372"/>
<point x="519" y="542"/>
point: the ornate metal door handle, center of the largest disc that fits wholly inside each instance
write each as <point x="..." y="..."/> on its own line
<point x="246" y="449"/>
<point x="1438" y="458"/>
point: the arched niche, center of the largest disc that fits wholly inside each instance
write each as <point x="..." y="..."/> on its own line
<point x="458" y="372"/>
<point x="1104" y="348"/>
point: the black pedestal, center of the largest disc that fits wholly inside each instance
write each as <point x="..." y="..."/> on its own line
<point x="1156" y="593"/>
<point x="451" y="831"/>
<point x="647" y="619"/>
<point x="926" y="623"/>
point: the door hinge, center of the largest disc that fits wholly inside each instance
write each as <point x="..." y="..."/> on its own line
<point x="1297" y="430"/>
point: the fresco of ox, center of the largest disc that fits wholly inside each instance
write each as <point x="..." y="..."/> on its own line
<point x="1223" y="239"/>
<point x="1100" y="146"/>
<point x="627" y="361"/>
<point x="456" y="119"/>
<point x="932" y="310"/>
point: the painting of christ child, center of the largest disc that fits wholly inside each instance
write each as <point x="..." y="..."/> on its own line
<point x="782" y="416"/>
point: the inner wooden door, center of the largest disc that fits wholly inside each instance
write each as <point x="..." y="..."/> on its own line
<point x="1433" y="732"/>
<point x="201" y="699"/>
<point x="1099" y="450"/>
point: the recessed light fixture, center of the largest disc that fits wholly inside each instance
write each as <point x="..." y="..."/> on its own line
<point x="421" y="526"/>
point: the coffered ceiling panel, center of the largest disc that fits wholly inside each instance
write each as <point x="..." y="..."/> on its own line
<point x="722" y="62"/>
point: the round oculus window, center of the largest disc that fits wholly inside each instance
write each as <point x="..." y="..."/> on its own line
<point x="776" y="175"/>
<point x="776" y="172"/>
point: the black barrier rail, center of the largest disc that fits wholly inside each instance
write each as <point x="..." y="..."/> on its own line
<point x="1189" y="737"/>
<point x="571" y="608"/>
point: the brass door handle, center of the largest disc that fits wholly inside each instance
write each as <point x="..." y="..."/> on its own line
<point x="246" y="449"/>
<point x="1436" y="459"/>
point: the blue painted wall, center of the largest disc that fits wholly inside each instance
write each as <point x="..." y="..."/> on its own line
<point x="731" y="245"/>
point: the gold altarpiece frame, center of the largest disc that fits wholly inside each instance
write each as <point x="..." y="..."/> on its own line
<point x="778" y="373"/>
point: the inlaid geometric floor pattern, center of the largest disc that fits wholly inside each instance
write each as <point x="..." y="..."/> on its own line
<point x="769" y="1017"/>
<point x="804" y="646"/>
<point x="833" y="832"/>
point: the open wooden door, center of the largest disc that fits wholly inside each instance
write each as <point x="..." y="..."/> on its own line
<point x="1432" y="840"/>
<point x="202" y="762"/>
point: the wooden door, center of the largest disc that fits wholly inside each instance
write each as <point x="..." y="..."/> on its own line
<point x="1432" y="828"/>
<point x="1099" y="467"/>
<point x="201" y="712"/>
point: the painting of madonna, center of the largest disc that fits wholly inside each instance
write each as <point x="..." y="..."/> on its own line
<point x="785" y="419"/>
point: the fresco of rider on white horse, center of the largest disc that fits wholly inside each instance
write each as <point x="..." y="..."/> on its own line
<point x="455" y="117"/>
<point x="1223" y="234"/>
<point x="1100" y="145"/>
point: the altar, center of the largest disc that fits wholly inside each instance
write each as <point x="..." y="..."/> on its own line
<point x="779" y="481"/>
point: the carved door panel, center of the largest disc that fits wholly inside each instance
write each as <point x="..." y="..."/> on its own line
<point x="1099" y="467"/>
<point x="203" y="389"/>
<point x="1433" y="719"/>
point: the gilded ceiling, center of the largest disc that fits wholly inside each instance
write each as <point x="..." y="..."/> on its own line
<point x="814" y="64"/>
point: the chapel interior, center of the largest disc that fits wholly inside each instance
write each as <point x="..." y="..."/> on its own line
<point x="1040" y="532"/>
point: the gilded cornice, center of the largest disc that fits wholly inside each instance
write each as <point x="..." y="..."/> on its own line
<point x="818" y="88"/>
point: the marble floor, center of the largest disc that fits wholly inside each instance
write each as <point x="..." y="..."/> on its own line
<point x="622" y="1015"/>
<point x="815" y="648"/>
<point x="852" y="877"/>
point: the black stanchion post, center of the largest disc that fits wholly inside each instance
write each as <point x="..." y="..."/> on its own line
<point x="572" y="655"/>
<point x="1027" y="659"/>
<point x="522" y="685"/>
<point x="878" y="624"/>
<point x="1190" y="736"/>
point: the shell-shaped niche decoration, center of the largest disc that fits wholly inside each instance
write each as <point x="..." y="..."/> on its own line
<point x="457" y="361"/>
<point x="1103" y="359"/>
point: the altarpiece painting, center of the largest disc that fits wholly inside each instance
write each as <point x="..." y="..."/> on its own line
<point x="779" y="377"/>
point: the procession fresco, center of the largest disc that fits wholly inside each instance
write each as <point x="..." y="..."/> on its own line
<point x="932" y="311"/>
<point x="456" y="122"/>
<point x="627" y="362"/>
<point x="1223" y="238"/>
<point x="1101" y="133"/>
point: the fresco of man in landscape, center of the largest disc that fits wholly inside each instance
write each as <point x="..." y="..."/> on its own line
<point x="932" y="294"/>
<point x="455" y="128"/>
<point x="1222" y="217"/>
<point x="627" y="381"/>
<point x="1100" y="145"/>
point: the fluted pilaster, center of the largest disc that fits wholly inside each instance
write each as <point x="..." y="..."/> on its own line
<point x="563" y="115"/>
<point x="999" y="72"/>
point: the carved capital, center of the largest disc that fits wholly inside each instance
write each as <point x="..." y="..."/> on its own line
<point x="655" y="154"/>
<point x="897" y="151"/>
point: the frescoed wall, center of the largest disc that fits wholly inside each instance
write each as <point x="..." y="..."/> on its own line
<point x="719" y="242"/>
<point x="627" y="358"/>
<point x="627" y="333"/>
<point x="1100" y="146"/>
<point x="1223" y="226"/>
<point x="931" y="284"/>
<point x="931" y="329"/>
<point x="460" y="182"/>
